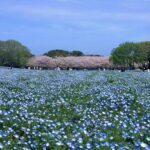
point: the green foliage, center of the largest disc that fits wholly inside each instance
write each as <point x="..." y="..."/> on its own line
<point x="145" y="48"/>
<point x="13" y="53"/>
<point x="63" y="53"/>
<point x="76" y="53"/>
<point x="129" y="53"/>
<point x="57" y="52"/>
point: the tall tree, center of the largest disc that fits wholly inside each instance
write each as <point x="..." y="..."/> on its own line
<point x="145" y="48"/>
<point x="13" y="53"/>
<point x="127" y="54"/>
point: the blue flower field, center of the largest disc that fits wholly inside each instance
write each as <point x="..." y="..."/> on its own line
<point x="74" y="110"/>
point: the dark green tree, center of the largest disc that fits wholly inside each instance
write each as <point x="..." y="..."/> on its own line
<point x="127" y="54"/>
<point x="57" y="53"/>
<point x="13" y="53"/>
<point x="76" y="53"/>
<point x="145" y="48"/>
<point x="62" y="53"/>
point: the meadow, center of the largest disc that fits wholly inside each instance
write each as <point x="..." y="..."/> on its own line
<point x="77" y="110"/>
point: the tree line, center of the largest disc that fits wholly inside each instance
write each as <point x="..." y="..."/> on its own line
<point x="14" y="54"/>
<point x="129" y="54"/>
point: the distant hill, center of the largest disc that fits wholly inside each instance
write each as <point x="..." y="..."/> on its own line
<point x="63" y="53"/>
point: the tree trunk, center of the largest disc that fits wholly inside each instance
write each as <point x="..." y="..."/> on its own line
<point x="149" y="64"/>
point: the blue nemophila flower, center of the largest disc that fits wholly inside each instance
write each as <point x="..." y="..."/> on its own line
<point x="144" y="145"/>
<point x="1" y="146"/>
<point x="47" y="144"/>
<point x="148" y="139"/>
<point x="89" y="146"/>
<point x="80" y="140"/>
<point x="59" y="143"/>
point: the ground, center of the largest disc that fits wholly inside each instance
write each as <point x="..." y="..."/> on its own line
<point x="74" y="110"/>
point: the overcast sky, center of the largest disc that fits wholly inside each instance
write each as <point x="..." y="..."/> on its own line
<point x="92" y="26"/>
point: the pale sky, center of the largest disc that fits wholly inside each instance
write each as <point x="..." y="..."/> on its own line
<point x="92" y="26"/>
